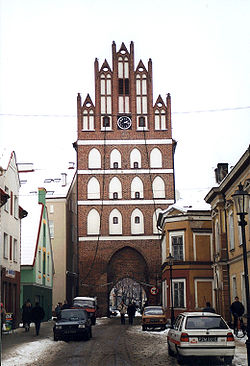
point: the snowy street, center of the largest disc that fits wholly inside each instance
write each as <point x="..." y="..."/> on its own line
<point x="112" y="345"/>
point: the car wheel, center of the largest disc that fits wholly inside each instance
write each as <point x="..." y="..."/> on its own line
<point x="228" y="360"/>
<point x="170" y="351"/>
<point x="144" y="328"/>
<point x="90" y="332"/>
<point x="56" y="338"/>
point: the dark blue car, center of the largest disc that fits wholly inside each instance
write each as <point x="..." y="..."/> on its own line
<point x="72" y="323"/>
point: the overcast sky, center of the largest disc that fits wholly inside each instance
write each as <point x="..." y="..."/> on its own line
<point x="201" y="55"/>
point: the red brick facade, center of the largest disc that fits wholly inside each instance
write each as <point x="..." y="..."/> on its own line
<point x="104" y="259"/>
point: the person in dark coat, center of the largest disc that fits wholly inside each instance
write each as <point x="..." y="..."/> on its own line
<point x="131" y="312"/>
<point x="209" y="308"/>
<point x="237" y="309"/>
<point x="26" y="315"/>
<point x="37" y="316"/>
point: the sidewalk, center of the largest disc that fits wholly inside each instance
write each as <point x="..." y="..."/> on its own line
<point x="18" y="336"/>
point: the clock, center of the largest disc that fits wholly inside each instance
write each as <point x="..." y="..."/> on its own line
<point x="124" y="122"/>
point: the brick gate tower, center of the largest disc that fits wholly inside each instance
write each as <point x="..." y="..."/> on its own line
<point x="125" y="178"/>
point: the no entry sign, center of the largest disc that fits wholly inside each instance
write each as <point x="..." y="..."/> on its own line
<point x="154" y="290"/>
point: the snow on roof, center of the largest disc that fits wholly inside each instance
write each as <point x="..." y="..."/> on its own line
<point x="191" y="200"/>
<point x="29" y="228"/>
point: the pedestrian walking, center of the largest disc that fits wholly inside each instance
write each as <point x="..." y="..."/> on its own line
<point x="3" y="317"/>
<point x="26" y="314"/>
<point x="37" y="316"/>
<point x="58" y="309"/>
<point x="208" y="308"/>
<point x="65" y="305"/>
<point x="123" y="310"/>
<point x="131" y="312"/>
<point x="237" y="309"/>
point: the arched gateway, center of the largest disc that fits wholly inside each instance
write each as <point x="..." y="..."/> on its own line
<point x="125" y="177"/>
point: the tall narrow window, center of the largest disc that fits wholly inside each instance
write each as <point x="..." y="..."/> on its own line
<point x="106" y="102"/>
<point x="141" y="100"/>
<point x="231" y="230"/>
<point x="177" y="245"/>
<point x="88" y="120"/>
<point x="5" y="245"/>
<point x="179" y="294"/>
<point x="123" y="84"/>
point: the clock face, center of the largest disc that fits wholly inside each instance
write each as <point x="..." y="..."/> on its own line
<point x="124" y="122"/>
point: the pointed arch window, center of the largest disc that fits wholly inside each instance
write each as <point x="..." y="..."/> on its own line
<point x="156" y="158"/>
<point x="115" y="222"/>
<point x="154" y="221"/>
<point x="94" y="159"/>
<point x="159" y="188"/>
<point x="115" y="159"/>
<point x="93" y="222"/>
<point x="137" y="188"/>
<point x="135" y="159"/>
<point x="137" y="222"/>
<point x="115" y="189"/>
<point x="93" y="189"/>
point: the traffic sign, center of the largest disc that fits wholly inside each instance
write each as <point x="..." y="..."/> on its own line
<point x="154" y="290"/>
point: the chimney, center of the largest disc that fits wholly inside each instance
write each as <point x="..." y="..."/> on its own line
<point x="221" y="172"/>
<point x="64" y="179"/>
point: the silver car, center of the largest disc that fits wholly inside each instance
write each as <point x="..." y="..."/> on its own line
<point x="201" y="334"/>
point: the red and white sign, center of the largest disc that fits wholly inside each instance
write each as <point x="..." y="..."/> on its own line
<point x="154" y="290"/>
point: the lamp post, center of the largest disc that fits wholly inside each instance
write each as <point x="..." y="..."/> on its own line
<point x="170" y="259"/>
<point x="241" y="200"/>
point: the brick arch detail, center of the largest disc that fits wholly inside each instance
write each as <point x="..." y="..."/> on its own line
<point x="127" y="262"/>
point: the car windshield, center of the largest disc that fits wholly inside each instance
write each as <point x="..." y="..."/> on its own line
<point x="85" y="303"/>
<point x="73" y="314"/>
<point x="205" y="322"/>
<point x="153" y="311"/>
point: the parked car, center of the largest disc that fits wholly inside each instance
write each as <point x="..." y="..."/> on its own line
<point x="87" y="303"/>
<point x="154" y="317"/>
<point x="72" y="323"/>
<point x="201" y="334"/>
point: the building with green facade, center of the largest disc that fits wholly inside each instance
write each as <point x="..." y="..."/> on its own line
<point x="37" y="268"/>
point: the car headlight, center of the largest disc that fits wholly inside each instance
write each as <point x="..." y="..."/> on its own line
<point x="81" y="326"/>
<point x="58" y="327"/>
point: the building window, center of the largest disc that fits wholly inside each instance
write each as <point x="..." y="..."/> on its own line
<point x="115" y="165"/>
<point x="7" y="204"/>
<point x="115" y="195"/>
<point x="231" y="230"/>
<point x="137" y="195"/>
<point x="16" y="207"/>
<point x="136" y="165"/>
<point x="5" y="245"/>
<point x="142" y="121"/>
<point x="123" y="86"/>
<point x="177" y="245"/>
<point x="51" y="229"/>
<point x="179" y="293"/>
<point x="234" y="287"/>
<point x="15" y="250"/>
<point x="115" y="220"/>
<point x="106" y="121"/>
<point x="137" y="220"/>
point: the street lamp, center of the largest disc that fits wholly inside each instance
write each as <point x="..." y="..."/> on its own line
<point x="241" y="200"/>
<point x="170" y="259"/>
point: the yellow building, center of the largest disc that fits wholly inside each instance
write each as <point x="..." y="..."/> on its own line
<point x="227" y="241"/>
<point x="187" y="235"/>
